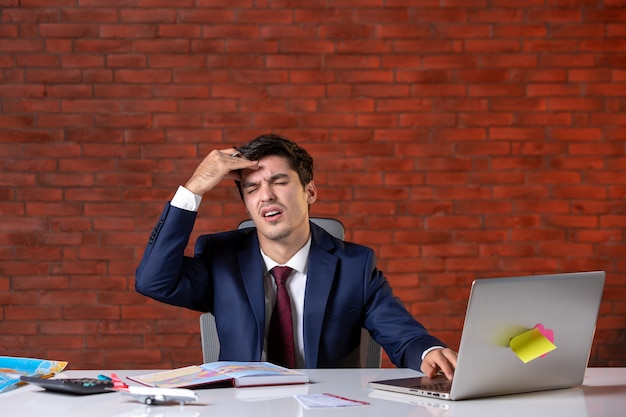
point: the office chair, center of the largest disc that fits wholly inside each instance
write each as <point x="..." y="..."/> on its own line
<point x="209" y="337"/>
<point x="367" y="355"/>
<point x="332" y="226"/>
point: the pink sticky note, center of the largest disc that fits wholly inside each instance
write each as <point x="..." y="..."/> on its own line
<point x="547" y="333"/>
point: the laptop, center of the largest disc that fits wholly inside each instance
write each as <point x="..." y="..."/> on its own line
<point x="500" y="309"/>
<point x="563" y="402"/>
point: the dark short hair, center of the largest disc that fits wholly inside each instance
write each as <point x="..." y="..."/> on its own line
<point x="270" y="144"/>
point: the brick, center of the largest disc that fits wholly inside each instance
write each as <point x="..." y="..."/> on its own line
<point x="511" y="60"/>
<point x="573" y="221"/>
<point x="607" y="119"/>
<point x="67" y="30"/>
<point x="98" y="75"/>
<point x="596" y="149"/>
<point x="126" y="61"/>
<point x="493" y="45"/>
<point x="606" y="15"/>
<point x="82" y="268"/>
<point x="162" y="46"/>
<point x="317" y="11"/>
<point x="230" y="31"/>
<point x="35" y="60"/>
<point x="16" y="328"/>
<point x="122" y="91"/>
<point x="576" y="104"/>
<point x="134" y="356"/>
<point x="8" y="45"/>
<point x="147" y="15"/>
<point x="521" y="104"/>
<point x="60" y="45"/>
<point x="128" y="31"/>
<point x="213" y="15"/>
<point x="16" y="121"/>
<point x="179" y="30"/>
<point x="449" y="61"/>
<point x="365" y="76"/>
<point x="176" y="61"/>
<point x="589" y="134"/>
<point x="486" y="119"/>
<point x="108" y="45"/>
<point x="615" y="29"/>
<point x="539" y="75"/>
<point x="113" y="342"/>
<point x="550" y="46"/>
<point x="143" y="76"/>
<point x="47" y="121"/>
<point x="113" y="120"/>
<point x="53" y="76"/>
<point x="519" y="31"/>
<point x="119" y="295"/>
<point x="98" y="15"/>
<point x="32" y="313"/>
<point x="554" y="90"/>
<point x="516" y="133"/>
<point x="581" y="163"/>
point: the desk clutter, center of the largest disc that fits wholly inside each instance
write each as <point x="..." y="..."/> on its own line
<point x="333" y="392"/>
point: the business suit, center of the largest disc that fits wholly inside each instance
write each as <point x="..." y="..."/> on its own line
<point x="344" y="292"/>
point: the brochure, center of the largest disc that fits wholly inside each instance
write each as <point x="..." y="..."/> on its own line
<point x="11" y="368"/>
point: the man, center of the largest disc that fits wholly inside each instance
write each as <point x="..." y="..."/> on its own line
<point x="334" y="286"/>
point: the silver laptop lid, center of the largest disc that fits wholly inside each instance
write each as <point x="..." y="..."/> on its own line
<point x="502" y="308"/>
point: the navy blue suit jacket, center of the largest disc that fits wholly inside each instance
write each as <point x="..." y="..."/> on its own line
<point x="344" y="292"/>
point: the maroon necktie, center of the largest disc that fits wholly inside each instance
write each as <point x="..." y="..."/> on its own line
<point x="280" y="349"/>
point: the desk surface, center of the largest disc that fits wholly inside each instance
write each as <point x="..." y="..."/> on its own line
<point x="603" y="394"/>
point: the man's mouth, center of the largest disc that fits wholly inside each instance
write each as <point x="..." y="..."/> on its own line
<point x="271" y="213"/>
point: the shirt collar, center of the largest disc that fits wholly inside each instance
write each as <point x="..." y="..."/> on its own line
<point x="297" y="262"/>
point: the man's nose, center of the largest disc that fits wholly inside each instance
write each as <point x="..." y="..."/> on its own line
<point x="267" y="193"/>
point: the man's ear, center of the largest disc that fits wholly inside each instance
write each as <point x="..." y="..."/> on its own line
<point x="311" y="190"/>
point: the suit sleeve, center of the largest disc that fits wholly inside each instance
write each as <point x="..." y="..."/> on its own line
<point x="390" y="323"/>
<point x="165" y="273"/>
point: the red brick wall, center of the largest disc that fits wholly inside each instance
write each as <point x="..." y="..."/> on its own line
<point x="459" y="139"/>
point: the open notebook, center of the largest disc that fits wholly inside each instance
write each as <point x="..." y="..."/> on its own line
<point x="520" y="334"/>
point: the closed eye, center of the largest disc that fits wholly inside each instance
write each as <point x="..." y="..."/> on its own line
<point x="278" y="179"/>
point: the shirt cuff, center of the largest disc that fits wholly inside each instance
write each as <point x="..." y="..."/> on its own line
<point x="427" y="351"/>
<point x="185" y="199"/>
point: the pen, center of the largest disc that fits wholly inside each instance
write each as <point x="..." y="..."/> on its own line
<point x="346" y="399"/>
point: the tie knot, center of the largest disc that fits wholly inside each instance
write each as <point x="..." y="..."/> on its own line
<point x="280" y="274"/>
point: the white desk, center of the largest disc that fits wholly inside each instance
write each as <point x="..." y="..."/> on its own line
<point x="603" y="394"/>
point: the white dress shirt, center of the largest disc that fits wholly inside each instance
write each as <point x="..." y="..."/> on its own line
<point x="296" y="285"/>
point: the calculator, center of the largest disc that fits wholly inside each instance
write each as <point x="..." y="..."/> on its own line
<point x="75" y="386"/>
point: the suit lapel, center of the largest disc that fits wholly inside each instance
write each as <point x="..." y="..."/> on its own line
<point x="252" y="270"/>
<point x="320" y="276"/>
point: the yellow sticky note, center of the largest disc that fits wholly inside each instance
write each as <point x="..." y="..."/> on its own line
<point x="531" y="345"/>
